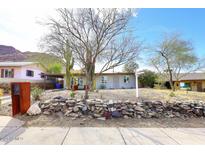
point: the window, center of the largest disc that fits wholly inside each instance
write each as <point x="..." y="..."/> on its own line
<point x="29" y="73"/>
<point x="80" y="81"/>
<point x="7" y="73"/>
<point x="126" y="79"/>
<point x="103" y="79"/>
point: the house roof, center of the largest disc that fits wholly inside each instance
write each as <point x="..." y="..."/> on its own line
<point x="16" y="64"/>
<point x="83" y="74"/>
<point x="192" y="76"/>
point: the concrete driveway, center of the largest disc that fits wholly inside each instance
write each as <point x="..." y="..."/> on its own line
<point x="13" y="132"/>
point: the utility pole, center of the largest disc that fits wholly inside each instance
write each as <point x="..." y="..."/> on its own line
<point x="136" y="78"/>
<point x="137" y="89"/>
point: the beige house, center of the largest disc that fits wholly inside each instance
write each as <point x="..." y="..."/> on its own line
<point x="192" y="81"/>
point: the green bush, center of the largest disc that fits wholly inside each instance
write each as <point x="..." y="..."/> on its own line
<point x="72" y="94"/>
<point x="55" y="68"/>
<point x="172" y="94"/>
<point x="36" y="93"/>
<point x="147" y="79"/>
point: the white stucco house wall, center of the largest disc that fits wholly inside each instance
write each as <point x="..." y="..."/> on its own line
<point x="20" y="71"/>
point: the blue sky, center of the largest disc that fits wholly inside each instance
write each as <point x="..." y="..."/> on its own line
<point x="18" y="27"/>
<point x="190" y="23"/>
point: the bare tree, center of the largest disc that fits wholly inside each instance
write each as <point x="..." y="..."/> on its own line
<point x="98" y="35"/>
<point x="174" y="58"/>
<point x="56" y="43"/>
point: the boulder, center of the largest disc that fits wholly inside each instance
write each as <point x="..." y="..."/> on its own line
<point x="34" y="109"/>
<point x="76" y="109"/>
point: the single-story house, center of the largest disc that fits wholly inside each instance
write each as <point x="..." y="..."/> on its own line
<point x="191" y="81"/>
<point x="116" y="80"/>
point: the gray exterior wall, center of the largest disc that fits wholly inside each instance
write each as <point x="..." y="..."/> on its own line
<point x="112" y="81"/>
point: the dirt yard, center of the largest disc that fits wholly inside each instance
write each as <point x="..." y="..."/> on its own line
<point x="129" y="94"/>
<point x="146" y="94"/>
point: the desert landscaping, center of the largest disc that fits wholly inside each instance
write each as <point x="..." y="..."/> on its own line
<point x="118" y="108"/>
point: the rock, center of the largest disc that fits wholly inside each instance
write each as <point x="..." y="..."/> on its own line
<point x="75" y="109"/>
<point x="110" y="102"/>
<point x="84" y="108"/>
<point x="47" y="101"/>
<point x="75" y="115"/>
<point x="198" y="112"/>
<point x="112" y="109"/>
<point x="46" y="112"/>
<point x="125" y="117"/>
<point x="152" y="114"/>
<point x="34" y="109"/>
<point x="96" y="115"/>
<point x="57" y="108"/>
<point x="130" y="110"/>
<point x="124" y="112"/>
<point x="67" y="113"/>
<point x="139" y="116"/>
<point x="92" y="108"/>
<point x="102" y="118"/>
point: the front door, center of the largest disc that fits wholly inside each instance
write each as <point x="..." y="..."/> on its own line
<point x="199" y="86"/>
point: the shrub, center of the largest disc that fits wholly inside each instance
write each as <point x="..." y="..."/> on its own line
<point x="36" y="93"/>
<point x="1" y="92"/>
<point x="172" y="94"/>
<point x="147" y="79"/>
<point x="72" y="94"/>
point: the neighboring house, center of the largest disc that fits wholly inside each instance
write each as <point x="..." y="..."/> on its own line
<point x="192" y="81"/>
<point x="119" y="80"/>
<point x="20" y="71"/>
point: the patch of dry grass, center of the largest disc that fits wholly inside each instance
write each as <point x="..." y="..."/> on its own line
<point x="164" y="94"/>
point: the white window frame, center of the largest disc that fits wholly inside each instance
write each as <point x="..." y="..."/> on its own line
<point x="8" y="73"/>
<point x="29" y="75"/>
<point x="126" y="79"/>
<point x="103" y="79"/>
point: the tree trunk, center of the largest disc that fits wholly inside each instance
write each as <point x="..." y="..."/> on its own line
<point x="68" y="77"/>
<point x="171" y="80"/>
<point x="89" y="73"/>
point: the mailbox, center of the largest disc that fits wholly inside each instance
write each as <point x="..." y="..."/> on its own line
<point x="20" y="94"/>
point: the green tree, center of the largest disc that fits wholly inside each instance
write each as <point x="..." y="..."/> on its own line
<point x="130" y="67"/>
<point x="55" y="68"/>
<point x="174" y="55"/>
<point x="147" y="78"/>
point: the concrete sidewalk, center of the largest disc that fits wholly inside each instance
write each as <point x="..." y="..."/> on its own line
<point x="12" y="132"/>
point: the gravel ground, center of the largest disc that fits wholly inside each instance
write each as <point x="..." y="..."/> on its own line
<point x="124" y="94"/>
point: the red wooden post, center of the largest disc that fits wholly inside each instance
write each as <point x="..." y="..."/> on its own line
<point x="20" y="93"/>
